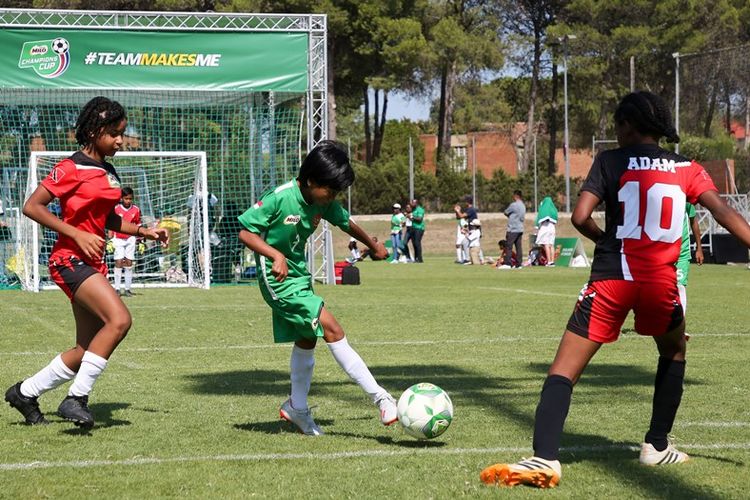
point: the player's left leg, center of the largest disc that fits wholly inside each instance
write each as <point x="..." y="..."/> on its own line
<point x="355" y="367"/>
<point x="127" y="265"/>
<point x="668" y="384"/>
<point x="95" y="300"/>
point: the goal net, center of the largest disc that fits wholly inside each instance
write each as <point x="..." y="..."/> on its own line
<point x="170" y="191"/>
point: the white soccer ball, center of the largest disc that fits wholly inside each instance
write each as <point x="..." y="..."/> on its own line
<point x="60" y="46"/>
<point x="425" y="411"/>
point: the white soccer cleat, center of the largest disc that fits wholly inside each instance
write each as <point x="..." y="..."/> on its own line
<point x="388" y="410"/>
<point x="301" y="418"/>
<point x="504" y="266"/>
<point x="670" y="455"/>
<point x="533" y="471"/>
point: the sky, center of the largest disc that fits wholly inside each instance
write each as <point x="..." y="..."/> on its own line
<point x="404" y="106"/>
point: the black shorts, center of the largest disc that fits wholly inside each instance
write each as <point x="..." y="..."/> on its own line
<point x="69" y="272"/>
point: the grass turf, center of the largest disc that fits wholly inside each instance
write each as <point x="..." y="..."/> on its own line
<point x="188" y="406"/>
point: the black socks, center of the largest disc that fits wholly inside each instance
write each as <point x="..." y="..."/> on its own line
<point x="667" y="396"/>
<point x="550" y="416"/>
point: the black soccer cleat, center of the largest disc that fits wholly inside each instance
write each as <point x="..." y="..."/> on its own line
<point x="76" y="409"/>
<point x="29" y="407"/>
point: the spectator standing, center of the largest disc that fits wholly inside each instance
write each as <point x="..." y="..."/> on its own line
<point x="408" y="234"/>
<point x="516" y="213"/>
<point x="464" y="217"/>
<point x="546" y="221"/>
<point x="397" y="223"/>
<point x="417" y="217"/>
<point x="475" y="246"/>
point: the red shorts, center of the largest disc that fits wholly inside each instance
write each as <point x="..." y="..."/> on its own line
<point x="603" y="306"/>
<point x="69" y="272"/>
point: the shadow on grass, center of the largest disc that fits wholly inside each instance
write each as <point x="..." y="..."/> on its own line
<point x="509" y="397"/>
<point x="275" y="426"/>
<point x="103" y="418"/>
<point x="388" y="440"/>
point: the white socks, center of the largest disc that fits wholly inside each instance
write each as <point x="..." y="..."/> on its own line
<point x="92" y="365"/>
<point x="118" y="277"/>
<point x="301" y="366"/>
<point x="128" y="277"/>
<point x="459" y="254"/>
<point x="49" y="377"/>
<point x="353" y="365"/>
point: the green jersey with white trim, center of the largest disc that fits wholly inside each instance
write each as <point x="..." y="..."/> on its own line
<point x="397" y="220"/>
<point x="285" y="221"/>
<point x="683" y="262"/>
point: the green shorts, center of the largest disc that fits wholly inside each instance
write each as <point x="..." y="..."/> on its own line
<point x="683" y="268"/>
<point x="297" y="317"/>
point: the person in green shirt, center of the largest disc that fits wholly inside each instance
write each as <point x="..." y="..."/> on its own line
<point x="276" y="229"/>
<point x="397" y="223"/>
<point x="683" y="262"/>
<point x="417" y="226"/>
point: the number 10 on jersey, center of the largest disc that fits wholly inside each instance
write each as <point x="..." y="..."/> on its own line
<point x="664" y="212"/>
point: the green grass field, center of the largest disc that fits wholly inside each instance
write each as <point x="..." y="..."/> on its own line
<point x="188" y="406"/>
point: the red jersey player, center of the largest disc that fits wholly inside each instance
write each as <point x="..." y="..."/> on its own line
<point x="644" y="188"/>
<point x="125" y="243"/>
<point x="88" y="189"/>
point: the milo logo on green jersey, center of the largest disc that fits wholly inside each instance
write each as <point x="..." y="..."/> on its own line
<point x="48" y="58"/>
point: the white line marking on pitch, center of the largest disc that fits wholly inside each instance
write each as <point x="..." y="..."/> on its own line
<point x="80" y="464"/>
<point x="362" y="343"/>
<point x="714" y="424"/>
<point x="571" y="295"/>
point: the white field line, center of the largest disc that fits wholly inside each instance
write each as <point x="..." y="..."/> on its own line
<point x="375" y="343"/>
<point x="80" y="464"/>
<point x="572" y="295"/>
<point x="714" y="424"/>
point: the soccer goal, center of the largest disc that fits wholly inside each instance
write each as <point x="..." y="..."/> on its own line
<point x="170" y="190"/>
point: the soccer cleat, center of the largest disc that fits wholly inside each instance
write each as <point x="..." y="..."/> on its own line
<point x="301" y="418"/>
<point x="29" y="407"/>
<point x="670" y="455"/>
<point x="532" y="471"/>
<point x="128" y="293"/>
<point x="388" y="409"/>
<point x="76" y="409"/>
<point x="504" y="266"/>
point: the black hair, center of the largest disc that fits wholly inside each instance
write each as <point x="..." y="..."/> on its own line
<point x="97" y="115"/>
<point x="127" y="190"/>
<point x="648" y="114"/>
<point x="327" y="165"/>
<point x="501" y="243"/>
<point x="469" y="199"/>
<point x="518" y="193"/>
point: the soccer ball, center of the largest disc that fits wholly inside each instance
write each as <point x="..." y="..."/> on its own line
<point x="60" y="46"/>
<point x="425" y="411"/>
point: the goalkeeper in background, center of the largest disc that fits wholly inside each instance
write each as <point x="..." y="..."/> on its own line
<point x="276" y="229"/>
<point x="125" y="244"/>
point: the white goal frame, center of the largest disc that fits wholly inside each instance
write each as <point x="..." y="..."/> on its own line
<point x="33" y="182"/>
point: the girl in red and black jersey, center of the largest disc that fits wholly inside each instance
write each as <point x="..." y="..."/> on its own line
<point x="88" y="189"/>
<point x="644" y="189"/>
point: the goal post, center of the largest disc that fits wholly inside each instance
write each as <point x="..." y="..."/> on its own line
<point x="250" y="90"/>
<point x="170" y="188"/>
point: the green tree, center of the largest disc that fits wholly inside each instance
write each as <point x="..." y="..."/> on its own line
<point x="463" y="37"/>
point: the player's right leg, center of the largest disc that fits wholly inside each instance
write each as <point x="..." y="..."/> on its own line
<point x="296" y="409"/>
<point x="355" y="367"/>
<point x="96" y="305"/>
<point x="543" y="469"/>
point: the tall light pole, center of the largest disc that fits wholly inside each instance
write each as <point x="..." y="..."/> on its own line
<point x="566" y="143"/>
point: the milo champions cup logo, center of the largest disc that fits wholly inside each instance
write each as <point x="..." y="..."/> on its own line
<point x="48" y="58"/>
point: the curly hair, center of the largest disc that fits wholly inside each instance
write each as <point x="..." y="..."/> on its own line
<point x="96" y="116"/>
<point x="648" y="114"/>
